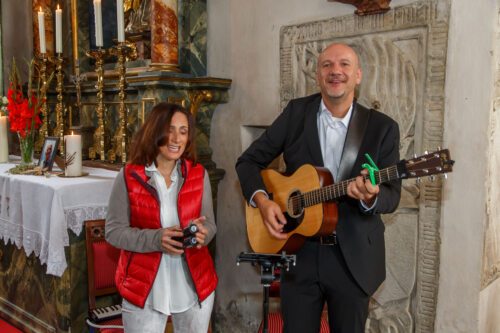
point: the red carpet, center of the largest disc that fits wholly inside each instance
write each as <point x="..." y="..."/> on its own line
<point x="7" y="328"/>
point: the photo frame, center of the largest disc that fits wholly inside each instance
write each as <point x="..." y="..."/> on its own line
<point x="49" y="152"/>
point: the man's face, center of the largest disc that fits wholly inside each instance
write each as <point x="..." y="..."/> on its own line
<point x="338" y="72"/>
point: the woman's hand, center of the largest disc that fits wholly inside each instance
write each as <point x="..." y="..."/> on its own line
<point x="202" y="231"/>
<point x="170" y="245"/>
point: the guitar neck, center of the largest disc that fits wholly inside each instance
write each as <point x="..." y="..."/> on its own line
<point x="334" y="191"/>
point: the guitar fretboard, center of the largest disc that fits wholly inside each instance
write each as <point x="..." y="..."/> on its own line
<point x="338" y="190"/>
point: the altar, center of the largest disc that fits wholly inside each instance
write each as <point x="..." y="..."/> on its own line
<point x="43" y="280"/>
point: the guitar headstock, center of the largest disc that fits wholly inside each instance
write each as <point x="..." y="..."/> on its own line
<point x="434" y="163"/>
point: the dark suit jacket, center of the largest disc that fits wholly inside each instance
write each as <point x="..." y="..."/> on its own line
<point x="295" y="134"/>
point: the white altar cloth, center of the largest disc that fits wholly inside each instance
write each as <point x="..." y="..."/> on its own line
<point x="36" y="212"/>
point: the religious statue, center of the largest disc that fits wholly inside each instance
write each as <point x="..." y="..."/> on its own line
<point x="137" y="15"/>
<point x="368" y="7"/>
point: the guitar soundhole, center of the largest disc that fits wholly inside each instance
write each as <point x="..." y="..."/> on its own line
<point x="295" y="204"/>
<point x="295" y="211"/>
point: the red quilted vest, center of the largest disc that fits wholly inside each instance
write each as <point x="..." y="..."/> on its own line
<point x="136" y="272"/>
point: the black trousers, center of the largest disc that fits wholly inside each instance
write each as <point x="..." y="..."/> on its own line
<point x="320" y="276"/>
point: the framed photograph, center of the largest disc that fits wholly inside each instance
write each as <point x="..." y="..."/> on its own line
<point x="49" y="151"/>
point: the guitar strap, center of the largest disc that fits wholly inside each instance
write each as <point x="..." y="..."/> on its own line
<point x="355" y="134"/>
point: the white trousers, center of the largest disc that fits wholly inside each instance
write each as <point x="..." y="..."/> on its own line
<point x="147" y="320"/>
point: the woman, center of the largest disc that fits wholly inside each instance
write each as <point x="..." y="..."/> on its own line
<point x="156" y="195"/>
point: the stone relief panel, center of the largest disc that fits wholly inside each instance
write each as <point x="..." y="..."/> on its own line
<point x="491" y="254"/>
<point x="402" y="54"/>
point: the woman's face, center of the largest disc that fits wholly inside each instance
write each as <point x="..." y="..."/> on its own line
<point x="177" y="138"/>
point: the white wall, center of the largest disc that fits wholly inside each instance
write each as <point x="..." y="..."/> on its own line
<point x="244" y="46"/>
<point x="469" y="89"/>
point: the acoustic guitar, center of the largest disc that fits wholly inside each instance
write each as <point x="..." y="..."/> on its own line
<point x="307" y="199"/>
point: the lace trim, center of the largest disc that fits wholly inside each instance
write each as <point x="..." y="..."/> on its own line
<point x="75" y="216"/>
<point x="32" y="241"/>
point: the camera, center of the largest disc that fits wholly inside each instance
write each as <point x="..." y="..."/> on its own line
<point x="188" y="238"/>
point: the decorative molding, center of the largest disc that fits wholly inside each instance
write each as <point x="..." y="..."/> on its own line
<point x="403" y="55"/>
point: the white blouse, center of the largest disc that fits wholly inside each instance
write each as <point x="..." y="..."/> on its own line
<point x="173" y="289"/>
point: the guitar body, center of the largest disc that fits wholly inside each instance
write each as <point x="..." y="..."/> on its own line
<point x="317" y="220"/>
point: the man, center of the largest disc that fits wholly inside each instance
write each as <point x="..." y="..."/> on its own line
<point x="330" y="129"/>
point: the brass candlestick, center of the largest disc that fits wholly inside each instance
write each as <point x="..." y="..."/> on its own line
<point x="98" y="146"/>
<point x="77" y="80"/>
<point x="59" y="130"/>
<point x="43" y="132"/>
<point x="125" y="52"/>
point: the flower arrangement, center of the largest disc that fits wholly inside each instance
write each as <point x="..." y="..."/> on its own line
<point x="23" y="112"/>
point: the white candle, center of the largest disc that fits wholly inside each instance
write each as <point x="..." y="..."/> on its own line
<point x="120" y="21"/>
<point x="4" y="147"/>
<point x="41" y="31"/>
<point x="73" y="144"/>
<point x="98" y="23"/>
<point x="58" y="30"/>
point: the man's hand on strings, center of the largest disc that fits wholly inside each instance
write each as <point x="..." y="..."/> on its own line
<point x="271" y="214"/>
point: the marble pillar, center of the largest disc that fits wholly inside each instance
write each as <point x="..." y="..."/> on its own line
<point x="165" y="35"/>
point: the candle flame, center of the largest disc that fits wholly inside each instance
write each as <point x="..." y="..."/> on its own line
<point x="57" y="6"/>
<point x="71" y="132"/>
<point x="40" y="9"/>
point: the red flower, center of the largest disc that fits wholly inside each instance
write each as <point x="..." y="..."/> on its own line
<point x="23" y="115"/>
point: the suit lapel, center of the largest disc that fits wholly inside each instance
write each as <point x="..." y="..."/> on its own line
<point x="311" y="128"/>
<point x="355" y="134"/>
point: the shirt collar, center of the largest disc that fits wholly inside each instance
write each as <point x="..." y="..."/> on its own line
<point x="152" y="169"/>
<point x="331" y="118"/>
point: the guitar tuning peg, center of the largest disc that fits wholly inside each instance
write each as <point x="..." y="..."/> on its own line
<point x="414" y="155"/>
<point x="432" y="178"/>
<point x="426" y="152"/>
<point x="445" y="176"/>
<point x="438" y="148"/>
<point x="417" y="180"/>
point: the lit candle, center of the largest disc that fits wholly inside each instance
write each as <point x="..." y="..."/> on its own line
<point x="58" y="30"/>
<point x="4" y="147"/>
<point x="41" y="30"/>
<point x="98" y="23"/>
<point x="120" y="21"/>
<point x="73" y="144"/>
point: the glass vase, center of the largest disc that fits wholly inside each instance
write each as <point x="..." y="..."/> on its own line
<point x="27" y="147"/>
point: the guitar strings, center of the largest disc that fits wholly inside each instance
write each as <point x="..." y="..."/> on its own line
<point x="336" y="190"/>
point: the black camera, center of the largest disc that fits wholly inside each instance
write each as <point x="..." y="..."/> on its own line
<point x="188" y="238"/>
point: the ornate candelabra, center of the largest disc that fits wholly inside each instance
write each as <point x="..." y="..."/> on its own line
<point x="125" y="51"/>
<point x="59" y="129"/>
<point x="99" y="145"/>
<point x="43" y="132"/>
